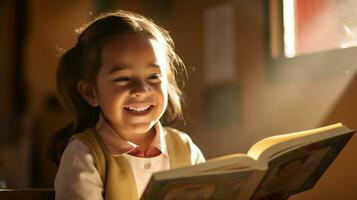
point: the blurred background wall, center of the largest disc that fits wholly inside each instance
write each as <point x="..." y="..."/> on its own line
<point x="227" y="110"/>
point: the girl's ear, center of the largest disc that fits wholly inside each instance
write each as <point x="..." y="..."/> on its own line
<point x="88" y="93"/>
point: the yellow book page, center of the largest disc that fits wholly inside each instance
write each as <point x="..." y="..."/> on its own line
<point x="268" y="147"/>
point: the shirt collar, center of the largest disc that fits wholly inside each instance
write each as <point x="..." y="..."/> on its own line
<point x="118" y="146"/>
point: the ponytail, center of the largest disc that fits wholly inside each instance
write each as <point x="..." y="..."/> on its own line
<point x="58" y="143"/>
<point x="69" y="72"/>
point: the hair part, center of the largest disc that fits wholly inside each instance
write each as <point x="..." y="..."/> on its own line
<point x="83" y="61"/>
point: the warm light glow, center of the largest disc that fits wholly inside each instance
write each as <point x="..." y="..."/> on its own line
<point x="289" y="27"/>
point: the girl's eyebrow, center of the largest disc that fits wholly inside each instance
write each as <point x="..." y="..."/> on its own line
<point x="154" y="65"/>
<point x="119" y="68"/>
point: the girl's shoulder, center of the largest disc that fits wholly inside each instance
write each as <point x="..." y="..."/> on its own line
<point x="181" y="141"/>
<point x="85" y="136"/>
<point x="88" y="138"/>
<point x="92" y="141"/>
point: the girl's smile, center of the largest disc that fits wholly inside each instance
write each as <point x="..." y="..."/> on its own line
<point x="139" y="109"/>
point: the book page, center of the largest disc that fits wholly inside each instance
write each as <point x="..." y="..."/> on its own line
<point x="266" y="148"/>
<point x="299" y="170"/>
<point x="212" y="166"/>
<point x="225" y="185"/>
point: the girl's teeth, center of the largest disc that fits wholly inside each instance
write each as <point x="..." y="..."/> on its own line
<point x="138" y="109"/>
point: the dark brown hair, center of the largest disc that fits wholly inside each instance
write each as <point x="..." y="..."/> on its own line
<point x="83" y="61"/>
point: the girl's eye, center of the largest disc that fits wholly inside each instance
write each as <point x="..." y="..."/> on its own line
<point x="154" y="76"/>
<point x="122" y="79"/>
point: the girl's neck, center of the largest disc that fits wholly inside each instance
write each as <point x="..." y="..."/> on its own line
<point x="143" y="140"/>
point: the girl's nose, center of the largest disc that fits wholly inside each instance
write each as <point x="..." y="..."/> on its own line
<point x="140" y="89"/>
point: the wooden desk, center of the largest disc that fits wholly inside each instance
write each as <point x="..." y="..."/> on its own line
<point x="28" y="194"/>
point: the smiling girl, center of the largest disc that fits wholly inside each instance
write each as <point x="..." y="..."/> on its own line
<point x="119" y="83"/>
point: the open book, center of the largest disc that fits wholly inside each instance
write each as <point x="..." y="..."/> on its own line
<point x="274" y="168"/>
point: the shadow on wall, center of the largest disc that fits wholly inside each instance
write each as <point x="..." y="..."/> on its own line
<point x="341" y="175"/>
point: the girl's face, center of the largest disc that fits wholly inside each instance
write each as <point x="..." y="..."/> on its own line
<point x="131" y="85"/>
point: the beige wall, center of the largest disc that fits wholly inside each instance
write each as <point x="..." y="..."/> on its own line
<point x="51" y="29"/>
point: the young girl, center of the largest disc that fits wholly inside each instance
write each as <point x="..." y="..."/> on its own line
<point x="118" y="81"/>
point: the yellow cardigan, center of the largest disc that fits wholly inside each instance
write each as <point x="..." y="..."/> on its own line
<point x="115" y="172"/>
